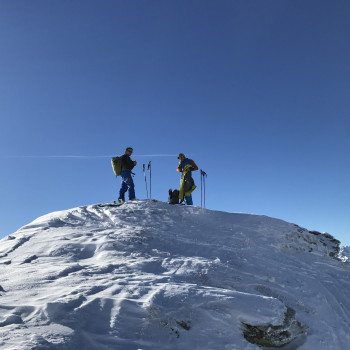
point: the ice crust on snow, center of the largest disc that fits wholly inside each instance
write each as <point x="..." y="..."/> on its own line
<point x="149" y="275"/>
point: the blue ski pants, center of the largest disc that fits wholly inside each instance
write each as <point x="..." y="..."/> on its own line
<point x="189" y="200"/>
<point x="127" y="185"/>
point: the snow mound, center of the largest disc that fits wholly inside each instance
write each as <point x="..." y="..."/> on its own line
<point x="148" y="275"/>
<point x="346" y="252"/>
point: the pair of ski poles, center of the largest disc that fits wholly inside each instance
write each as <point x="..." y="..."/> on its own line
<point x="203" y="176"/>
<point x="150" y="178"/>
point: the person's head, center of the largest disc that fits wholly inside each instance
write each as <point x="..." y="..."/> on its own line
<point x="129" y="151"/>
<point x="181" y="157"/>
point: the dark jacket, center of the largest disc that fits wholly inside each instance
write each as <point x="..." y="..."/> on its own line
<point x="126" y="162"/>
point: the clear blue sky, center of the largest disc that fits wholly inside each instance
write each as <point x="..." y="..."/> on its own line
<point x="256" y="92"/>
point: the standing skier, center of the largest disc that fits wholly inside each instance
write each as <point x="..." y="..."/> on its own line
<point x="186" y="166"/>
<point x="127" y="182"/>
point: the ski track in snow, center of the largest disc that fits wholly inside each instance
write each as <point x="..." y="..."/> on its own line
<point x="148" y="275"/>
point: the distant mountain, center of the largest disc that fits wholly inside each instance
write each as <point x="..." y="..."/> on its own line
<point x="149" y="275"/>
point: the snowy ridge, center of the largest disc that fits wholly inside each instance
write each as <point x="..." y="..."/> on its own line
<point x="346" y="252"/>
<point x="148" y="275"/>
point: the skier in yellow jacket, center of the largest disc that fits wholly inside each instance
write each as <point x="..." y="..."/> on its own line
<point x="187" y="186"/>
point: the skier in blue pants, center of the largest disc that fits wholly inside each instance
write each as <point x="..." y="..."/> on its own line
<point x="127" y="182"/>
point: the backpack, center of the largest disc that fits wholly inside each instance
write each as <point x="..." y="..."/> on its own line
<point x="116" y="165"/>
<point x="188" y="182"/>
<point x="173" y="197"/>
<point x="187" y="185"/>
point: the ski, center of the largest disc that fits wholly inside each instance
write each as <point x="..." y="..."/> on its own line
<point x="114" y="204"/>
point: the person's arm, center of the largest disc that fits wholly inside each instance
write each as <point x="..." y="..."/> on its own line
<point x="194" y="166"/>
<point x="132" y="163"/>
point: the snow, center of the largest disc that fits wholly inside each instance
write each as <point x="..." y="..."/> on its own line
<point x="346" y="252"/>
<point x="149" y="275"/>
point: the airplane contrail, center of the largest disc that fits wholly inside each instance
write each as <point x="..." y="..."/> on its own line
<point x="86" y="157"/>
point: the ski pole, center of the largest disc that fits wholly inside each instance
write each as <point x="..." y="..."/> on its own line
<point x="150" y="179"/>
<point x="201" y="187"/>
<point x="204" y="175"/>
<point x="204" y="190"/>
<point x="144" y="172"/>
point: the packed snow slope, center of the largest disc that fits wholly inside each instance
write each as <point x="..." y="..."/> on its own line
<point x="149" y="275"/>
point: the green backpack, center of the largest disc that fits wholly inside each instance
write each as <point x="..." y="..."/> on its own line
<point x="116" y="165"/>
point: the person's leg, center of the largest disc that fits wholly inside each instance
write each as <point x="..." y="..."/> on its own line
<point x="131" y="188"/>
<point x="189" y="200"/>
<point x="123" y="189"/>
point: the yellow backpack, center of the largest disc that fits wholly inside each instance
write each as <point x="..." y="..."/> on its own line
<point x="187" y="185"/>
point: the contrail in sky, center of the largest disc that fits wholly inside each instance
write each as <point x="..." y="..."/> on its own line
<point x="89" y="157"/>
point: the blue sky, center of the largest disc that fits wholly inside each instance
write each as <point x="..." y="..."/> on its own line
<point x="255" y="92"/>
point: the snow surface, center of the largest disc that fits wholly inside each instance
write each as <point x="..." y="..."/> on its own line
<point x="149" y="275"/>
<point x="346" y="252"/>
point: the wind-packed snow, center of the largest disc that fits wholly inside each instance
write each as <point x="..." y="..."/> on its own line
<point x="346" y="252"/>
<point x="149" y="275"/>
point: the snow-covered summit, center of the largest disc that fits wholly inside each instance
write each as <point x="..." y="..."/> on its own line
<point x="148" y="275"/>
